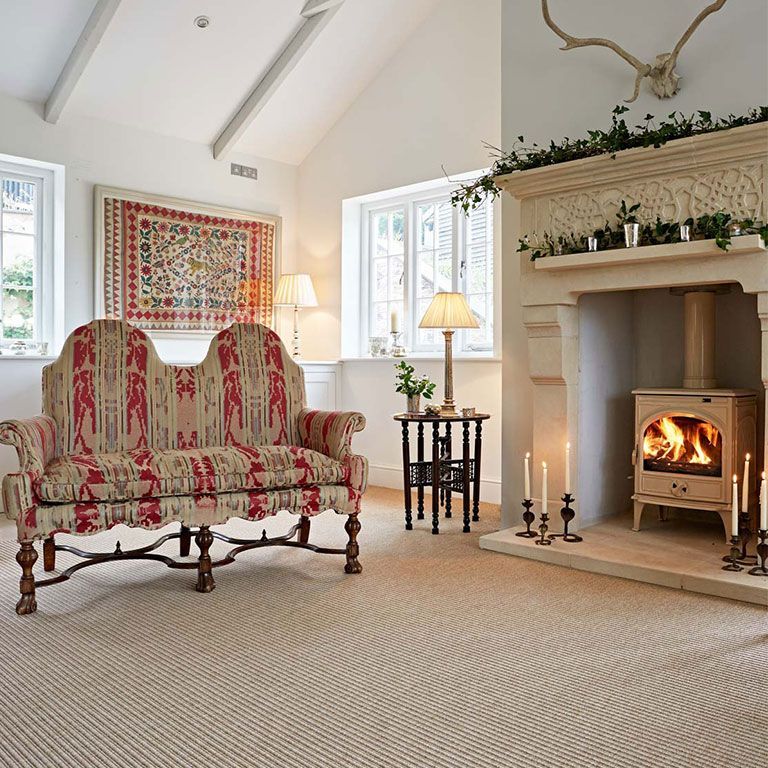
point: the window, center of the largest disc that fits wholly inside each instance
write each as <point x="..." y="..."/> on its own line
<point x="416" y="245"/>
<point x="26" y="254"/>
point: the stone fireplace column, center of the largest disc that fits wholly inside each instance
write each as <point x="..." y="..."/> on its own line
<point x="553" y="353"/>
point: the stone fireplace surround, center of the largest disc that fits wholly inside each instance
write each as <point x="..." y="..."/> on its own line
<point x="562" y="297"/>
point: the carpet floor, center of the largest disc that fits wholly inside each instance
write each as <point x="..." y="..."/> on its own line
<point x="437" y="655"/>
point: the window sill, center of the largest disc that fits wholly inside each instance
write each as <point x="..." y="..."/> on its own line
<point x="25" y="356"/>
<point x="424" y="358"/>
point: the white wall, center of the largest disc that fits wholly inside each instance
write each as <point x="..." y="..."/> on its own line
<point x="96" y="152"/>
<point x="434" y="103"/>
<point x="548" y="94"/>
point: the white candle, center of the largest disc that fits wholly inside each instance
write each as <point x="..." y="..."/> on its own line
<point x="745" y="487"/>
<point x="527" y="476"/>
<point x="543" y="487"/>
<point x="735" y="508"/>
<point x="764" y="504"/>
<point x="567" y="467"/>
<point x="394" y="321"/>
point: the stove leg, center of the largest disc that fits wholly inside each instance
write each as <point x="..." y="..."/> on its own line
<point x="639" y="505"/>
<point x="725" y="516"/>
<point x="663" y="513"/>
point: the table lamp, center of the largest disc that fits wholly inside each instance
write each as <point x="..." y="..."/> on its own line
<point x="295" y="291"/>
<point x="448" y="311"/>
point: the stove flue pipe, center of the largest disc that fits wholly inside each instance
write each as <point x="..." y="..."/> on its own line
<point x="699" y="354"/>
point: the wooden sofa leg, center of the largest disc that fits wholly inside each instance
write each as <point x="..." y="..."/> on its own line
<point x="302" y="534"/>
<point x="352" y="527"/>
<point x="204" y="539"/>
<point x="49" y="554"/>
<point x="26" y="558"/>
<point x="185" y="541"/>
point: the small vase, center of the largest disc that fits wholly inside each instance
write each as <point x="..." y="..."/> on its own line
<point x="413" y="403"/>
<point x="631" y="235"/>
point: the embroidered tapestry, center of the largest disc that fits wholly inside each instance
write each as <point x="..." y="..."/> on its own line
<point x="166" y="268"/>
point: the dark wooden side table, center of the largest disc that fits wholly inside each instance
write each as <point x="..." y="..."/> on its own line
<point x="444" y="474"/>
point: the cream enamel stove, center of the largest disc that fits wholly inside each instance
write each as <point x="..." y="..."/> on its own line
<point x="689" y="442"/>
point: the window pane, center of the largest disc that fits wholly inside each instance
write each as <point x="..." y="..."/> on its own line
<point x="426" y="337"/>
<point x="396" y="278"/>
<point x="380" y="234"/>
<point x="18" y="259"/>
<point x="18" y="196"/>
<point x="380" y="321"/>
<point x="380" y="280"/>
<point x="477" y="268"/>
<point x="478" y="274"/>
<point x="425" y="226"/>
<point x="482" y="308"/>
<point x="18" y="313"/>
<point x="397" y="240"/>
<point x="19" y="222"/>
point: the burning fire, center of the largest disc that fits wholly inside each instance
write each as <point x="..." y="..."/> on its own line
<point x="682" y="440"/>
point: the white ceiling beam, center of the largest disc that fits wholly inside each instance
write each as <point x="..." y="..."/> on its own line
<point x="273" y="79"/>
<point x="313" y="7"/>
<point x="89" y="39"/>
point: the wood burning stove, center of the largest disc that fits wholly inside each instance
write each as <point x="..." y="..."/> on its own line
<point x="690" y="441"/>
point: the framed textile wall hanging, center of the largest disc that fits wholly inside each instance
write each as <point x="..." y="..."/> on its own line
<point x="172" y="265"/>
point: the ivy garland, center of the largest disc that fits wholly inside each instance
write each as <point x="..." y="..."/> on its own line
<point x="617" y="138"/>
<point x="719" y="227"/>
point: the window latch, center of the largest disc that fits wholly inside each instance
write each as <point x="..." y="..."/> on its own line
<point x="462" y="267"/>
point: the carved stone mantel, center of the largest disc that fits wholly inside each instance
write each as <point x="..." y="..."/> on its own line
<point x="726" y="170"/>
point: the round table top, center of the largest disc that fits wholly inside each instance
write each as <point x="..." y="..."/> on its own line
<point x="440" y="417"/>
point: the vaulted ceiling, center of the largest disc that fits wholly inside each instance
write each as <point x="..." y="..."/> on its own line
<point x="154" y="69"/>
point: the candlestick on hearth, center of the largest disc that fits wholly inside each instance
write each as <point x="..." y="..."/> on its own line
<point x="733" y="559"/>
<point x="528" y="518"/>
<point x="567" y="513"/>
<point x="761" y="569"/>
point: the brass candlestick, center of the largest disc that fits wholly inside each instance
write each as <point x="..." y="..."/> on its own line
<point x="543" y="528"/>
<point x="733" y="558"/>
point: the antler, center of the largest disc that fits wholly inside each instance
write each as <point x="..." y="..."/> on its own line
<point x="709" y="10"/>
<point x="643" y="70"/>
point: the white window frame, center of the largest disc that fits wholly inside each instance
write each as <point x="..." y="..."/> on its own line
<point x="409" y="324"/>
<point x="48" y="278"/>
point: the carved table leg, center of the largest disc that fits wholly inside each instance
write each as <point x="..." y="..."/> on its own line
<point x="352" y="527"/>
<point x="302" y="535"/>
<point x="476" y="488"/>
<point x="49" y="554"/>
<point x="185" y="541"/>
<point x="407" y="477"/>
<point x="436" y="477"/>
<point x="420" y="458"/>
<point x="465" y="475"/>
<point x="448" y="453"/>
<point x="26" y="558"/>
<point x="204" y="539"/>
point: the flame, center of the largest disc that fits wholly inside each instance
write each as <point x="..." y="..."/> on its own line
<point x="683" y="440"/>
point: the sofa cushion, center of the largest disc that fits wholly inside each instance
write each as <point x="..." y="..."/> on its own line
<point x="145" y="473"/>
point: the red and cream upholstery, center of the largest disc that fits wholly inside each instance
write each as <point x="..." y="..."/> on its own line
<point x="125" y="438"/>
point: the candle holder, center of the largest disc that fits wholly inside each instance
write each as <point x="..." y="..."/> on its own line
<point x="396" y="348"/>
<point x="745" y="536"/>
<point x="761" y="569"/>
<point x="733" y="558"/>
<point x="528" y="518"/>
<point x="543" y="528"/>
<point x="567" y="513"/>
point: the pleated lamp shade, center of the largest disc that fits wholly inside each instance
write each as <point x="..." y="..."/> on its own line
<point x="448" y="310"/>
<point x="295" y="291"/>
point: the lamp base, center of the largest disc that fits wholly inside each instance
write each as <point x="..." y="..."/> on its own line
<point x="447" y="409"/>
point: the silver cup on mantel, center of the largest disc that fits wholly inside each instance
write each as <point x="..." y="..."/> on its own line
<point x="685" y="233"/>
<point x="592" y="244"/>
<point x="631" y="235"/>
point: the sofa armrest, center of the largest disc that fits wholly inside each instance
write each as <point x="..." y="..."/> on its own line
<point x="330" y="433"/>
<point x="34" y="440"/>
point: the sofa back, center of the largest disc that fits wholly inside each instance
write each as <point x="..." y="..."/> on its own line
<point x="109" y="391"/>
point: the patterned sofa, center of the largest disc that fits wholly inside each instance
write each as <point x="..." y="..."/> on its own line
<point x="125" y="438"/>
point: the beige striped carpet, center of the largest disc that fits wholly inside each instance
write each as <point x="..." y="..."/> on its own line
<point x="439" y="654"/>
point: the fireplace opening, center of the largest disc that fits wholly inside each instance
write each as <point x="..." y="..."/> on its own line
<point x="683" y="444"/>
